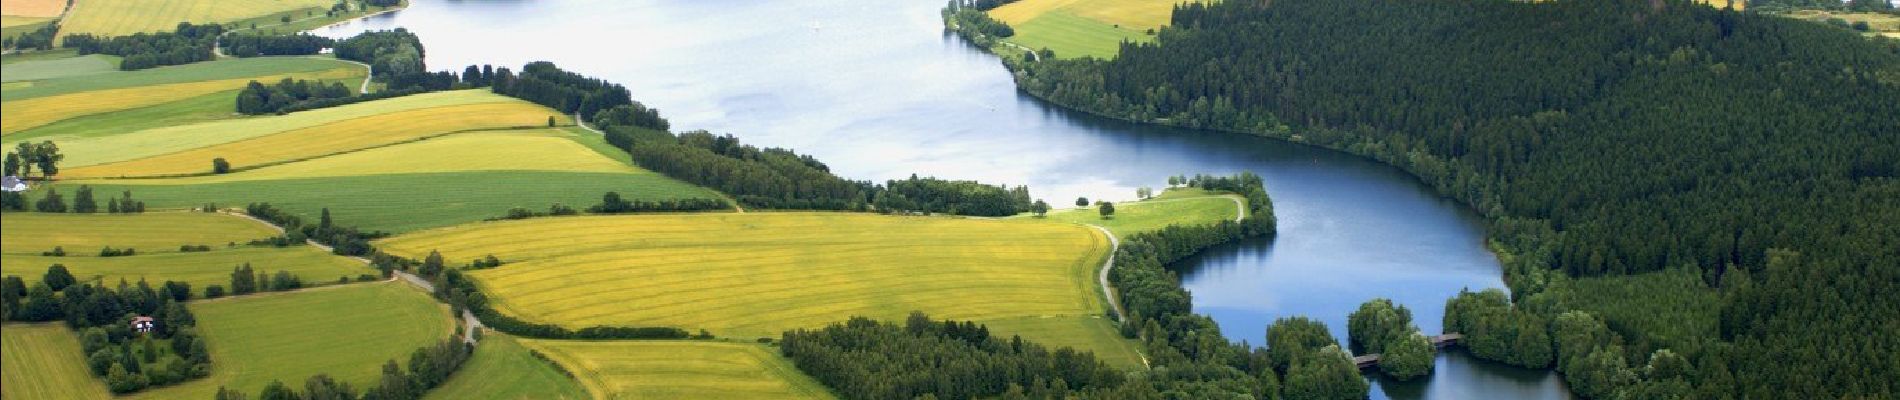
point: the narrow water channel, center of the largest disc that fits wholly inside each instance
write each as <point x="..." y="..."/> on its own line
<point x="878" y="91"/>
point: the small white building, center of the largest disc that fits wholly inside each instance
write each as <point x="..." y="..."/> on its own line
<point x="13" y="184"/>
<point x="143" y="324"/>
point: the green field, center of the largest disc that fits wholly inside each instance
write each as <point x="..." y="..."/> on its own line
<point x="31" y="104"/>
<point x="1083" y="28"/>
<point x="681" y="370"/>
<point x="503" y="369"/>
<point x="61" y="68"/>
<point x="1179" y="206"/>
<point x="150" y="233"/>
<point x="231" y="68"/>
<point x="554" y="150"/>
<point x="190" y="110"/>
<point x="124" y="17"/>
<point x="198" y="269"/>
<point x="43" y="361"/>
<point x="759" y="274"/>
<point x="345" y="331"/>
<point x="407" y="202"/>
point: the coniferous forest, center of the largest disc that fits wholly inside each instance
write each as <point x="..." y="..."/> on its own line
<point x="1602" y="139"/>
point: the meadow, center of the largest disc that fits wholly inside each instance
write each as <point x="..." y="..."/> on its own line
<point x="346" y="331"/>
<point x="44" y="361"/>
<point x="82" y="151"/>
<point x="681" y="370"/>
<point x="758" y="274"/>
<point x="1178" y="206"/>
<point x="124" y="17"/>
<point x="60" y="68"/>
<point x="150" y="233"/>
<point x="504" y="369"/>
<point x="1083" y="28"/>
<point x="30" y="104"/>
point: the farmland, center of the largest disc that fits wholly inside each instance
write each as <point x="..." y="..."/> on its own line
<point x="124" y="17"/>
<point x="437" y="109"/>
<point x="33" y="8"/>
<point x="331" y="138"/>
<point x="346" y="331"/>
<point x="1180" y="206"/>
<point x="758" y="274"/>
<point x="199" y="269"/>
<point x="44" y="361"/>
<point x="1078" y="28"/>
<point x="29" y="234"/>
<point x="503" y="369"/>
<point x="681" y="370"/>
<point x="85" y="91"/>
<point x="511" y="150"/>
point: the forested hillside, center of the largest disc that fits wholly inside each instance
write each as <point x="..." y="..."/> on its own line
<point x="1603" y="138"/>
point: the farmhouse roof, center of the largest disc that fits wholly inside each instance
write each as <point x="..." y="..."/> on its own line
<point x="12" y="184"/>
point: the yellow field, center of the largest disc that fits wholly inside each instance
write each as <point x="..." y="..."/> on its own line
<point x="523" y="150"/>
<point x="680" y="370"/>
<point x="16" y="116"/>
<point x="124" y="17"/>
<point x="198" y="269"/>
<point x="355" y="134"/>
<point x="32" y="8"/>
<point x="85" y="151"/>
<point x="44" y="361"/>
<point x="759" y="274"/>
<point x="9" y="21"/>
<point x="1135" y="15"/>
<point x="155" y="232"/>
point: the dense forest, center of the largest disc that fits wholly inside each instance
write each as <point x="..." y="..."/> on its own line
<point x="1603" y="139"/>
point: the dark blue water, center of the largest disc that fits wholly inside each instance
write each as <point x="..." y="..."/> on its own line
<point x="878" y="91"/>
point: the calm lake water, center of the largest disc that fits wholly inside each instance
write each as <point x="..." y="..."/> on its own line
<point x="879" y="91"/>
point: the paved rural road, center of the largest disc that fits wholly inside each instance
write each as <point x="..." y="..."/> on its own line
<point x="1114" y="246"/>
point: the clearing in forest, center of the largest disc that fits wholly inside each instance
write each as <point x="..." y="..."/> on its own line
<point x="1078" y="28"/>
<point x="1172" y="207"/>
<point x="681" y="370"/>
<point x="759" y="274"/>
<point x="347" y="332"/>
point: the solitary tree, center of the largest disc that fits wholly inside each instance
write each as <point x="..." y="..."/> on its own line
<point x="550" y="121"/>
<point x="1108" y="210"/>
<point x="1041" y="208"/>
<point x="46" y="155"/>
<point x="1145" y="193"/>
<point x="1174" y="181"/>
<point x="83" y="202"/>
<point x="1081" y="202"/>
<point x="219" y="166"/>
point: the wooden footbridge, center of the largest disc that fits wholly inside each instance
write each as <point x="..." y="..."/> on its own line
<point x="1448" y="339"/>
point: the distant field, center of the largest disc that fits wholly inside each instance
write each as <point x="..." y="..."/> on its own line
<point x="190" y="110"/>
<point x="1077" y="28"/>
<point x="553" y="150"/>
<point x="1191" y="207"/>
<point x="124" y="17"/>
<point x="40" y="103"/>
<point x="407" y="202"/>
<point x="44" y="361"/>
<point x="198" y="269"/>
<point x="9" y="21"/>
<point x="502" y="369"/>
<point x="61" y="68"/>
<point x="681" y="370"/>
<point x="1877" y="23"/>
<point x="85" y="151"/>
<point x="259" y="68"/>
<point x="152" y="232"/>
<point x="32" y="8"/>
<point x="759" y="274"/>
<point x="346" y="331"/>
<point x="332" y="138"/>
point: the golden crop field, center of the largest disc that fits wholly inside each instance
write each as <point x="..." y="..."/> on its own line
<point x="124" y="17"/>
<point x="85" y="151"/>
<point x="512" y="150"/>
<point x="345" y="331"/>
<point x="680" y="370"/>
<point x="9" y="21"/>
<point x="20" y="115"/>
<point x="153" y="232"/>
<point x="199" y="269"/>
<point x="759" y="274"/>
<point x="44" y="361"/>
<point x="32" y="8"/>
<point x="327" y="139"/>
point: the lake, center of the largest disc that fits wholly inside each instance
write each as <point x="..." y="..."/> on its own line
<point x="879" y="91"/>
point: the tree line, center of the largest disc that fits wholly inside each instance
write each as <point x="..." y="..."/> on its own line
<point x="257" y="98"/>
<point x="38" y="39"/>
<point x="866" y="359"/>
<point x="1607" y="138"/>
<point x="298" y="44"/>
<point x="186" y="44"/>
<point x="972" y="23"/>
<point x="346" y="241"/>
<point x="83" y="202"/>
<point x="127" y="360"/>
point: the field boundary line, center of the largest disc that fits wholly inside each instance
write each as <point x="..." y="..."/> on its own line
<point x="735" y="202"/>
